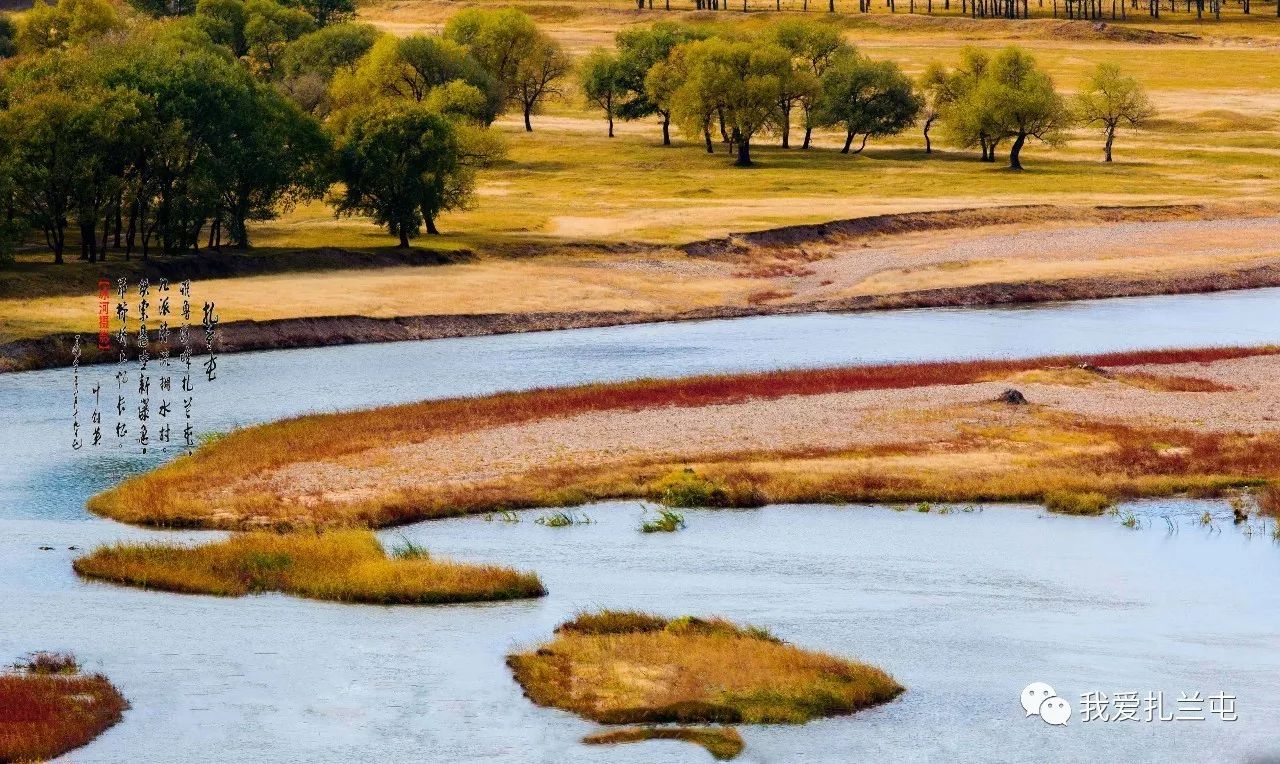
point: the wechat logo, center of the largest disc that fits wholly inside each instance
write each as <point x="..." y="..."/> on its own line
<point x="1039" y="699"/>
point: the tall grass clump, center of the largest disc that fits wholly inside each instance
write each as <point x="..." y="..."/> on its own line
<point x="347" y="566"/>
<point x="1078" y="502"/>
<point x="667" y="521"/>
<point x="691" y="670"/>
<point x="47" y="707"/>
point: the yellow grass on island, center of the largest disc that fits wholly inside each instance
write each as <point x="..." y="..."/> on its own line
<point x="723" y="743"/>
<point x="634" y="668"/>
<point x="345" y="565"/>
<point x="48" y="707"/>
<point x="1149" y="423"/>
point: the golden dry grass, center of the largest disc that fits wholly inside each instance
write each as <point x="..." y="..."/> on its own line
<point x="46" y="712"/>
<point x="692" y="670"/>
<point x="979" y="452"/>
<point x="723" y="743"/>
<point x="347" y="566"/>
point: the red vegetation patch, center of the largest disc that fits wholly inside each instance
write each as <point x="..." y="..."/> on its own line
<point x="43" y="715"/>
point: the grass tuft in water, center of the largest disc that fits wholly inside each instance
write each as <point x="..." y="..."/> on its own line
<point x="667" y="521"/>
<point x="563" y="519"/>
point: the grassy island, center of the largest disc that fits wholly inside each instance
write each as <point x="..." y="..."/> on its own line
<point x="1148" y="423"/>
<point x="48" y="707"/>
<point x="633" y="668"/>
<point x="347" y="566"/>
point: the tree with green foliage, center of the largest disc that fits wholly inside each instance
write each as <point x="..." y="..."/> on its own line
<point x="738" y="82"/>
<point x="1109" y="98"/>
<point x="411" y="68"/>
<point x="8" y="36"/>
<point x="279" y="158"/>
<point x="403" y="166"/>
<point x="310" y="63"/>
<point x="867" y="98"/>
<point x="268" y="29"/>
<point x="539" y="75"/>
<point x="223" y="21"/>
<point x="600" y="74"/>
<point x="45" y="27"/>
<point x="1016" y="100"/>
<point x="967" y="121"/>
<point x="814" y="46"/>
<point x="526" y="63"/>
<point x="640" y="51"/>
<point x="326" y="12"/>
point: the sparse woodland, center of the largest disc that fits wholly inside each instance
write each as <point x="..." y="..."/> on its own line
<point x="168" y="128"/>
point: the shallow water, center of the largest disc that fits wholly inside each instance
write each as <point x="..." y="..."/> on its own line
<point x="964" y="609"/>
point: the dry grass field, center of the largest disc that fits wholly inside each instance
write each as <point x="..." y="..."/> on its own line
<point x="572" y="220"/>
<point x="1145" y="423"/>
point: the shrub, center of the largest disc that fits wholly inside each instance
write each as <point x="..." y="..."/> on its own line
<point x="667" y="521"/>
<point x="686" y="488"/>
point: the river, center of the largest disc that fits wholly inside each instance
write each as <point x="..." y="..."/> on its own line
<point x="964" y="608"/>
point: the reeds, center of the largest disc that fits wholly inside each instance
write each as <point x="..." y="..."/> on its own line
<point x="1077" y="503"/>
<point x="667" y="521"/>
<point x="47" y="707"/>
<point x="346" y="565"/>
<point x="691" y="670"/>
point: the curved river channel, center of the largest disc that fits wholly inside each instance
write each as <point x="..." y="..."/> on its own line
<point x="965" y="609"/>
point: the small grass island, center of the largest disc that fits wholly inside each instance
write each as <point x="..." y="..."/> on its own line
<point x="48" y="707"/>
<point x="618" y="667"/>
<point x="342" y="565"/>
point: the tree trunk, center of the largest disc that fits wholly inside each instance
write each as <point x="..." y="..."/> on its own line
<point x="610" y="124"/>
<point x="744" y="152"/>
<point x="863" y="145"/>
<point x="528" y="126"/>
<point x="431" y="225"/>
<point x="1106" y="149"/>
<point x="404" y="239"/>
<point x="786" y="128"/>
<point x="928" y="145"/>
<point x="848" y="141"/>
<point x="706" y="136"/>
<point x="1014" y="162"/>
<point x="666" y="130"/>
<point x="808" y="133"/>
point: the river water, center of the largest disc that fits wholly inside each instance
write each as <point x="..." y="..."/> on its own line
<point x="964" y="609"/>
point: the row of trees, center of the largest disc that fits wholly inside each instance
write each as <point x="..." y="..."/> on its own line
<point x="1006" y="9"/>
<point x="172" y="125"/>
<point x="802" y="72"/>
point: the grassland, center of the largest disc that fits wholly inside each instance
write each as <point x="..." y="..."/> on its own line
<point x="915" y="432"/>
<point x="628" y="668"/>
<point x="346" y="566"/>
<point x="574" y="221"/>
<point x="48" y="707"/>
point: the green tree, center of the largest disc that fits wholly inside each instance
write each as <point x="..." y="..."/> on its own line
<point x="329" y="50"/>
<point x="539" y="75"/>
<point x="640" y="50"/>
<point x="1019" y="101"/>
<point x="8" y="36"/>
<point x="46" y="27"/>
<point x="326" y="12"/>
<point x="867" y="98"/>
<point x="268" y="29"/>
<point x="278" y="158"/>
<point x="1109" y="98"/>
<point x="223" y="21"/>
<point x="526" y="63"/>
<point x="738" y="82"/>
<point x="814" y="46"/>
<point x="403" y="166"/>
<point x="602" y="83"/>
<point x="412" y="68"/>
